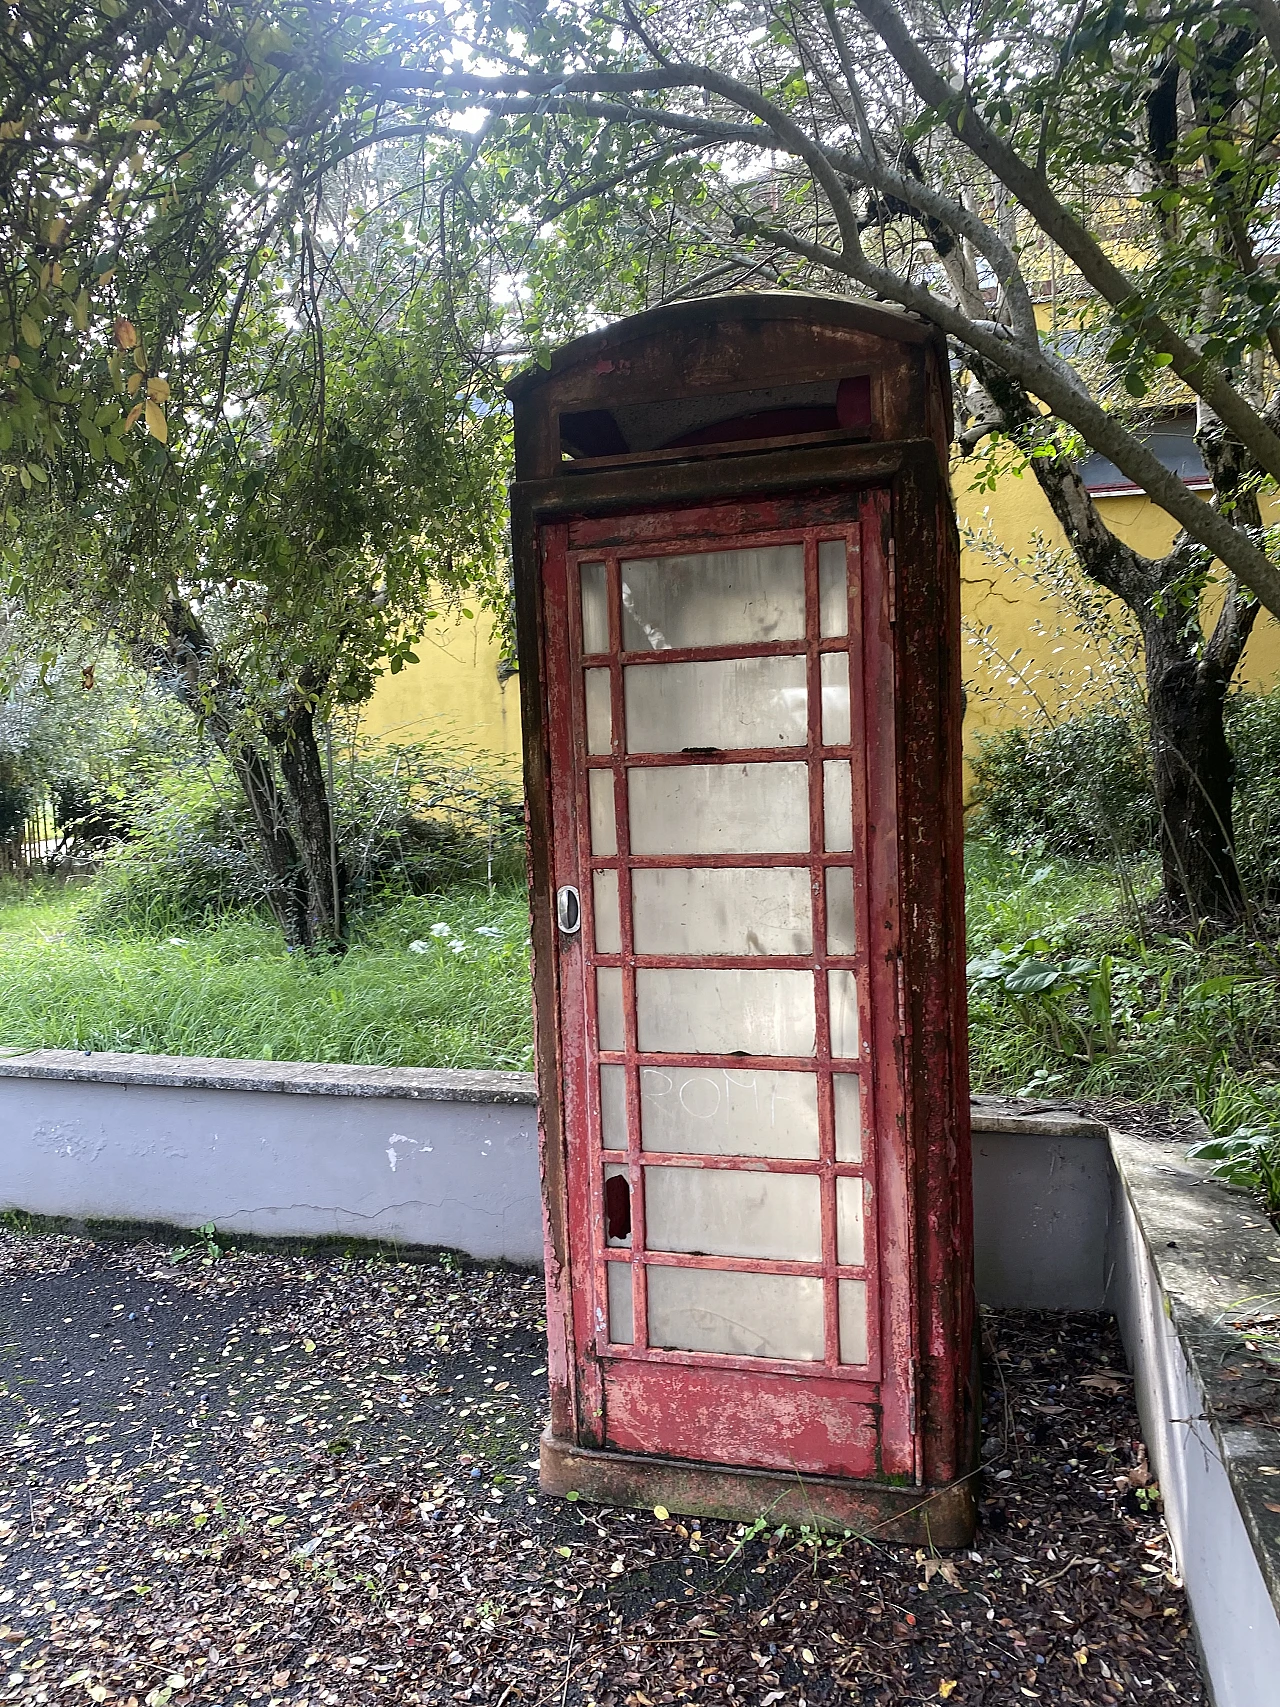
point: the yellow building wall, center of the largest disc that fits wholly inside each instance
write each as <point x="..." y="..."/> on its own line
<point x="454" y="694"/>
<point x="1003" y="609"/>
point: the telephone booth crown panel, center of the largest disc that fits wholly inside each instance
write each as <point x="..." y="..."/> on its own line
<point x="736" y="584"/>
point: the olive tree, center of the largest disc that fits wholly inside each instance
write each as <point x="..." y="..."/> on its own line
<point x="963" y="165"/>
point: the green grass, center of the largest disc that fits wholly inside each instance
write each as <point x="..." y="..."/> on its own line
<point x="1068" y="995"/>
<point x="232" y="990"/>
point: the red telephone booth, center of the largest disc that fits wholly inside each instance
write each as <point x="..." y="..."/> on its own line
<point x="738" y="597"/>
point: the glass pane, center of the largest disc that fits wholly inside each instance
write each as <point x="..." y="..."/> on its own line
<point x="840" y="919"/>
<point x="599" y="712"/>
<point x="609" y="1007"/>
<point x="842" y="993"/>
<point x="833" y="589"/>
<point x="853" y="1321"/>
<point x="613" y="1108"/>
<point x="744" y="1315"/>
<point x="746" y="910"/>
<point x="713" y="598"/>
<point x="704" y="1011"/>
<point x="723" y="704"/>
<point x="604" y="828"/>
<point x="604" y="890"/>
<point x="850" y="1246"/>
<point x="716" y="1112"/>
<point x="621" y="1321"/>
<point x="719" y="1214"/>
<point x="835" y="699"/>
<point x="837" y="806"/>
<point x="595" y="609"/>
<point x="848" y="1101"/>
<point x="719" y="809"/>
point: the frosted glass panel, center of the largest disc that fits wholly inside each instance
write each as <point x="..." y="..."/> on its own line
<point x="604" y="890"/>
<point x="850" y="1245"/>
<point x="840" y="916"/>
<point x="604" y="826"/>
<point x="842" y="993"/>
<point x="621" y="1321"/>
<point x="599" y="712"/>
<point x="837" y="806"/>
<point x="835" y="699"/>
<point x="724" y="703"/>
<point x="609" y="1007"/>
<point x="833" y="589"/>
<point x="714" y="1213"/>
<point x="705" y="1011"/>
<point x="595" y="610"/>
<point x="719" y="809"/>
<point x="613" y="1107"/>
<point x="848" y="1102"/>
<point x="853" y="1321"/>
<point x="713" y="598"/>
<point x="718" y="1112"/>
<point x="749" y="910"/>
<point x="744" y="1315"/>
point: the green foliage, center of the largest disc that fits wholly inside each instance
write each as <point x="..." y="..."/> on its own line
<point x="459" y="998"/>
<point x="1079" y="787"/>
<point x="1067" y="996"/>
<point x="410" y="819"/>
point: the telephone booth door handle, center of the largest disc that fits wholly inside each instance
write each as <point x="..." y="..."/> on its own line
<point x="568" y="910"/>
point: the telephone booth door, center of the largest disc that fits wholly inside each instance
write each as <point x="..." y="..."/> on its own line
<point x="723" y="849"/>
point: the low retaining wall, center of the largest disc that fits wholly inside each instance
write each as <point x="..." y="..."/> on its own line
<point x="277" y="1149"/>
<point x="1067" y="1215"/>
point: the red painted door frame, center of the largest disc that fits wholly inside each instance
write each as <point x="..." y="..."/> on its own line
<point x="821" y="1417"/>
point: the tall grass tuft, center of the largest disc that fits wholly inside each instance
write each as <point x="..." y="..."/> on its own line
<point x="431" y="981"/>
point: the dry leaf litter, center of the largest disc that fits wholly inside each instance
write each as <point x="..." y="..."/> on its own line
<point x="254" y="1478"/>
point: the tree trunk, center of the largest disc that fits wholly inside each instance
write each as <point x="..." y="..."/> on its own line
<point x="303" y="771"/>
<point x="287" y="895"/>
<point x="1193" y="771"/>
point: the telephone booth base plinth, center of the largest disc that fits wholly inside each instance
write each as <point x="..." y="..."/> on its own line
<point x="904" y="1516"/>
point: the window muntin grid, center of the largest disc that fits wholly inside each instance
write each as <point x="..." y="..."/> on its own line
<point x="772" y="814"/>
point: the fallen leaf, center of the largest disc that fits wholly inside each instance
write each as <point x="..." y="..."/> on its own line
<point x="661" y="1513"/>
<point x="947" y="1688"/>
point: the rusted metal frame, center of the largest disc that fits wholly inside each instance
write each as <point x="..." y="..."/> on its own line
<point x="806" y="1270"/>
<point x="576" y="467"/>
<point x="728" y="962"/>
<point x="894" y="1181"/>
<point x="741" y="1163"/>
<point x="930" y="768"/>
<point x="626" y="937"/>
<point x="566" y="1017"/>
<point x="697" y="862"/>
<point x="854" y="1385"/>
<point x="868" y="1148"/>
<point x="796" y="755"/>
<point x="717" y="651"/>
<point x="592" y="502"/>
<point x="562" y="1363"/>
<point x="821" y="992"/>
<point x="590" y="1184"/>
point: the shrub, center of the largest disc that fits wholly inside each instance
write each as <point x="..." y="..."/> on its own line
<point x="1253" y="728"/>
<point x="409" y="820"/>
<point x="1079" y="787"/>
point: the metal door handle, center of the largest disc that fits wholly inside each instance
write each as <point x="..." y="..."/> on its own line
<point x="568" y="910"/>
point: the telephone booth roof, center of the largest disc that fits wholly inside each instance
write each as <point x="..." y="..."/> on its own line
<point x="823" y="366"/>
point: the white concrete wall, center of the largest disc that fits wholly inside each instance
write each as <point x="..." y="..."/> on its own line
<point x="265" y="1148"/>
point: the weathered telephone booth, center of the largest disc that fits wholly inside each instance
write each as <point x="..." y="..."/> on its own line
<point x="737" y="585"/>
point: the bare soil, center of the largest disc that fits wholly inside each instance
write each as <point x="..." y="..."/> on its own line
<point x="254" y="1478"/>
